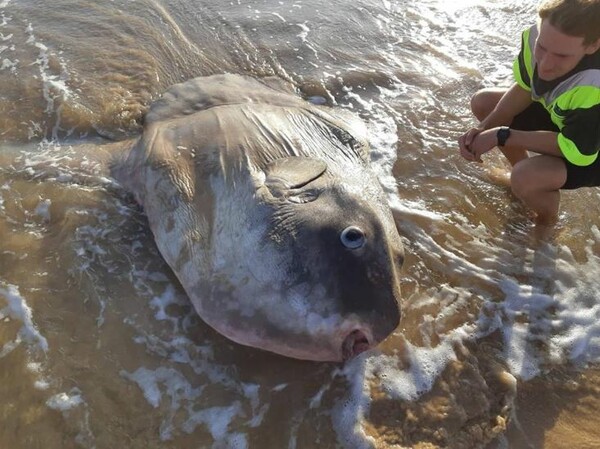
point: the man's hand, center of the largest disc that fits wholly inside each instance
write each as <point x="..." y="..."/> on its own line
<point x="484" y="142"/>
<point x="466" y="140"/>
<point x="480" y="142"/>
<point x="481" y="139"/>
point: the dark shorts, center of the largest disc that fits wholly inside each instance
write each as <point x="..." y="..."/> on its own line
<point x="536" y="118"/>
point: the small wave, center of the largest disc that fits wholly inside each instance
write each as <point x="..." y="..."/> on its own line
<point x="54" y="85"/>
<point x="557" y="322"/>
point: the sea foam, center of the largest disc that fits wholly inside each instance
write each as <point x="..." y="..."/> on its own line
<point x="17" y="308"/>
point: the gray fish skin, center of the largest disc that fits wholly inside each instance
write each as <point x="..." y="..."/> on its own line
<point x="266" y="209"/>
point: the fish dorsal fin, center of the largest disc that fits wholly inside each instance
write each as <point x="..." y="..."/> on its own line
<point x="203" y="93"/>
<point x="293" y="172"/>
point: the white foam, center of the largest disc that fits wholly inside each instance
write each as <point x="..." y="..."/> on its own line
<point x="279" y="387"/>
<point x="8" y="64"/>
<point x="521" y="301"/>
<point x="5" y="62"/>
<point x="216" y="419"/>
<point x="18" y="309"/>
<point x="424" y="366"/>
<point x="564" y="316"/>
<point x="168" y="384"/>
<point x="383" y="138"/>
<point x="42" y="210"/>
<point x="160" y="303"/>
<point x="7" y="348"/>
<point x="186" y="405"/>
<point x="65" y="401"/>
<point x="90" y="243"/>
<point x="349" y="412"/>
<point x="304" y="37"/>
<point x="54" y="86"/>
<point x="41" y="384"/>
<point x="279" y="16"/>
<point x="34" y="367"/>
<point x="75" y="411"/>
<point x="251" y="391"/>
<point x="403" y="378"/>
<point x="176" y="387"/>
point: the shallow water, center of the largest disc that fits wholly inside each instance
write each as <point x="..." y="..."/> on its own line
<point x="99" y="346"/>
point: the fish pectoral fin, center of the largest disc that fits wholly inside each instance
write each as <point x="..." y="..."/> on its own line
<point x="283" y="175"/>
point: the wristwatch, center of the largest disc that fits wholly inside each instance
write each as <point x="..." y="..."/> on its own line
<point x="502" y="135"/>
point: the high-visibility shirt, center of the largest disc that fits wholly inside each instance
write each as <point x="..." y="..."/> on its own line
<point x="573" y="100"/>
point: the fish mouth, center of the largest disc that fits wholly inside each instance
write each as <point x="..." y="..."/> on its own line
<point x="354" y="344"/>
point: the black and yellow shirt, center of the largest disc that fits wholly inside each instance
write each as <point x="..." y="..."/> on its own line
<point x="572" y="100"/>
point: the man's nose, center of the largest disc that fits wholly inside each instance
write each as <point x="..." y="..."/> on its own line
<point x="546" y="63"/>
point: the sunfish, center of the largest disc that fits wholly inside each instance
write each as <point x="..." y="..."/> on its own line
<point x="267" y="211"/>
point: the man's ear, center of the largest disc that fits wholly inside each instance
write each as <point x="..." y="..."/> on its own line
<point x="592" y="48"/>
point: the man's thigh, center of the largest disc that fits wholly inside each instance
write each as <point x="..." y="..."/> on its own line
<point x="534" y="118"/>
<point x="539" y="173"/>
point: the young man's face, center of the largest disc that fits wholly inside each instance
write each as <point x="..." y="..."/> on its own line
<point x="556" y="53"/>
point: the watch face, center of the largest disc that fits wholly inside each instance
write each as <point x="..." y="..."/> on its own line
<point x="502" y="135"/>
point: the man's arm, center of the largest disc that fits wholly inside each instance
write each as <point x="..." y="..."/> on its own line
<point x="515" y="100"/>
<point x="542" y="142"/>
<point x="578" y="141"/>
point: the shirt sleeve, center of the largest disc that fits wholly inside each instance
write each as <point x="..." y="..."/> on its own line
<point x="579" y="138"/>
<point x="519" y="65"/>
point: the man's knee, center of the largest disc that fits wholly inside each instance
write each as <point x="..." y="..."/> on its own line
<point x="478" y="106"/>
<point x="484" y="101"/>
<point x="520" y="179"/>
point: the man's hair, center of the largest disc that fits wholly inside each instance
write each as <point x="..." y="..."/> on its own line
<point x="580" y="18"/>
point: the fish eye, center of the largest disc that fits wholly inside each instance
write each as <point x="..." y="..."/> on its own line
<point x="353" y="237"/>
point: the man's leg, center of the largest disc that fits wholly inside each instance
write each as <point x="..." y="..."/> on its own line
<point x="482" y="104"/>
<point x="536" y="181"/>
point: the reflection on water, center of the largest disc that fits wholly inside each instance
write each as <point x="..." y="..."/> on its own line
<point x="99" y="347"/>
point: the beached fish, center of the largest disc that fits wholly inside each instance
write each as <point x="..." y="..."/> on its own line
<point x="267" y="211"/>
